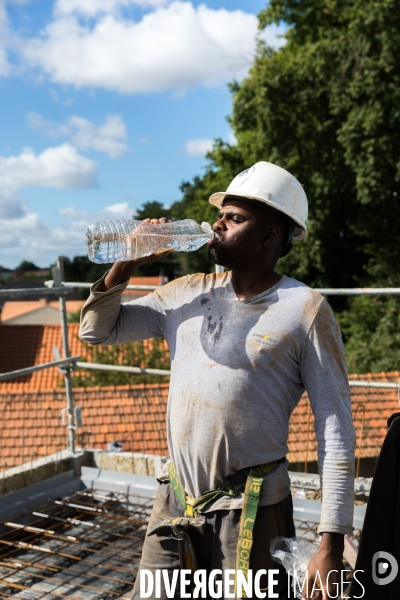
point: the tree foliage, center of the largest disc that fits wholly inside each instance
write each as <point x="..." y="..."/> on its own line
<point x="326" y="106"/>
<point x="81" y="269"/>
<point x="148" y="354"/>
<point x="171" y="266"/>
<point x="371" y="326"/>
<point x="27" y="265"/>
<point x="347" y="58"/>
<point x="152" y="210"/>
<point x="75" y="317"/>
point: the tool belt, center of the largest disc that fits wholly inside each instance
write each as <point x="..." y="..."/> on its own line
<point x="250" y="480"/>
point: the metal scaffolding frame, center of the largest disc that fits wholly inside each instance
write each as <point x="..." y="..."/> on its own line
<point x="68" y="363"/>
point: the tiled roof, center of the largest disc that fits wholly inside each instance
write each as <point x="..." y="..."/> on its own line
<point x="379" y="404"/>
<point x="156" y="280"/>
<point x="24" y="346"/>
<point x="13" y="309"/>
<point x="371" y="408"/>
<point x="28" y="345"/>
<point x="31" y="427"/>
<point x="137" y="413"/>
<point x="129" y="295"/>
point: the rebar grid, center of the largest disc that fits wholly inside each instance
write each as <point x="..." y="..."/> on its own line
<point x="85" y="546"/>
<point x="308" y="529"/>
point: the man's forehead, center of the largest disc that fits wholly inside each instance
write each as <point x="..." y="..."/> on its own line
<point x="240" y="203"/>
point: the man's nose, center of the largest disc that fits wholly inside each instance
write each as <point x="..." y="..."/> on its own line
<point x="219" y="224"/>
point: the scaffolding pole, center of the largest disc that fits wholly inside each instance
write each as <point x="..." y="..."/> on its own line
<point x="58" y="278"/>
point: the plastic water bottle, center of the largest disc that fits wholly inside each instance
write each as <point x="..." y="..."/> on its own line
<point x="115" y="241"/>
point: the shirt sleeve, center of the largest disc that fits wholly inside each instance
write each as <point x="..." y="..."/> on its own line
<point x="105" y="321"/>
<point x="325" y="378"/>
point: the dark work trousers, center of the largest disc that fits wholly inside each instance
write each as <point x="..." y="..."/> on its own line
<point x="216" y="548"/>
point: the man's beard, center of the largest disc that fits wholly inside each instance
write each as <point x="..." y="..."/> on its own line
<point x="218" y="255"/>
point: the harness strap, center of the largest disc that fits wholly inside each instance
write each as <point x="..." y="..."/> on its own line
<point x="192" y="506"/>
<point x="254" y="480"/>
<point x="251" y="498"/>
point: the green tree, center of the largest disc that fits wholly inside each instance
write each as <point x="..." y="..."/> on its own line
<point x="27" y="265"/>
<point x="326" y="106"/>
<point x="75" y="317"/>
<point x="81" y="269"/>
<point x="371" y="326"/>
<point x="340" y="70"/>
<point x="176" y="264"/>
<point x="224" y="162"/>
<point x="149" y="354"/>
<point x="152" y="210"/>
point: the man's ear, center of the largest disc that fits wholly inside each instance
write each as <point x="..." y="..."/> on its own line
<point x="272" y="234"/>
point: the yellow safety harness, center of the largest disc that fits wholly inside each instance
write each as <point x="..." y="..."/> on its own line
<point x="253" y="478"/>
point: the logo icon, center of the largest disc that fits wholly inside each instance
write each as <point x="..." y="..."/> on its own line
<point x="241" y="178"/>
<point x="384" y="568"/>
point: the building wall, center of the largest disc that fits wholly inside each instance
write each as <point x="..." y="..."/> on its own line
<point x="42" y="316"/>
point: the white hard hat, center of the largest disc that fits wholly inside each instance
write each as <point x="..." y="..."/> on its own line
<point x="274" y="186"/>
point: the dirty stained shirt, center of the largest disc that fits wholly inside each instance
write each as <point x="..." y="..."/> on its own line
<point x="238" y="370"/>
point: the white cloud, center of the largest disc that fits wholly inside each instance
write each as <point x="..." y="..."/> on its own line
<point x="92" y="8"/>
<point x="174" y="47"/>
<point x="198" y="147"/>
<point x="59" y="167"/>
<point x="70" y="212"/>
<point x="108" y="138"/>
<point x="32" y="238"/>
<point x="23" y="238"/>
<point x="49" y="128"/>
<point x="120" y="210"/>
<point x="28" y="236"/>
<point x="11" y="208"/>
<point x="6" y="35"/>
<point x="4" y="26"/>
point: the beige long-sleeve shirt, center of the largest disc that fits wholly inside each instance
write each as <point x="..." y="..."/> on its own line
<point x="238" y="370"/>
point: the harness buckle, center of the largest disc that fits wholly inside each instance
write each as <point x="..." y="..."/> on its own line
<point x="189" y="510"/>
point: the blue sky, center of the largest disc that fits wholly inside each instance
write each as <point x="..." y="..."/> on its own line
<point x="106" y="104"/>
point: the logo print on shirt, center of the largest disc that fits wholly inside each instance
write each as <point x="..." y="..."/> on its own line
<point x="265" y="339"/>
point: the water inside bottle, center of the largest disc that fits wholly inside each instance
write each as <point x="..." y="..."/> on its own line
<point x="113" y="241"/>
<point x="188" y="243"/>
<point x="144" y="245"/>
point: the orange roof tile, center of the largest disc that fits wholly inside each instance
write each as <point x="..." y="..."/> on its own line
<point x="136" y="414"/>
<point x="156" y="280"/>
<point x="371" y="408"/>
<point x="128" y="295"/>
<point x="24" y="346"/>
<point x="30" y="424"/>
<point x="28" y="345"/>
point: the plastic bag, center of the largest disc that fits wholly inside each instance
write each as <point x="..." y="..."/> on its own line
<point x="294" y="554"/>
